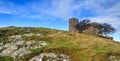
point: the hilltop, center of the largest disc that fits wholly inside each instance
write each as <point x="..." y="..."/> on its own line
<point x="30" y="44"/>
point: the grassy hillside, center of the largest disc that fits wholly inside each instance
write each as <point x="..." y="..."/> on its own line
<point x="80" y="47"/>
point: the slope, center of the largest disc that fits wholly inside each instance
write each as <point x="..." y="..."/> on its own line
<point x="79" y="47"/>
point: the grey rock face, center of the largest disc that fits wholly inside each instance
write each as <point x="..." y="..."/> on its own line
<point x="50" y="57"/>
<point x="17" y="47"/>
<point x="1" y="47"/>
<point x="19" y="42"/>
<point x="8" y="51"/>
<point x="15" y="38"/>
<point x="31" y="34"/>
<point x="114" y="58"/>
<point x="33" y="44"/>
<point x="20" y="52"/>
<point x="1" y="44"/>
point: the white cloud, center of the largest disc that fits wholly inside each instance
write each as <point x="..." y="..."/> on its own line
<point x="58" y="8"/>
<point x="4" y="11"/>
<point x="114" y="21"/>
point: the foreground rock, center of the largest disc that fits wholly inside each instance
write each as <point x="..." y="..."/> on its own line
<point x="17" y="47"/>
<point x="19" y="53"/>
<point x="8" y="51"/>
<point x="50" y="57"/>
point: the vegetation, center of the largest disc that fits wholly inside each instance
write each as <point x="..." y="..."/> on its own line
<point x="82" y="25"/>
<point x="6" y="58"/>
<point x="103" y="29"/>
<point x="79" y="46"/>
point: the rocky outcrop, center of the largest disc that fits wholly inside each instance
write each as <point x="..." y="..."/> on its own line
<point x="8" y="51"/>
<point x="31" y="34"/>
<point x="17" y="47"/>
<point x="114" y="58"/>
<point x="20" y="53"/>
<point x="50" y="57"/>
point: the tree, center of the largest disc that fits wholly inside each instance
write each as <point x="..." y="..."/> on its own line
<point x="107" y="29"/>
<point x="82" y="25"/>
<point x="102" y="29"/>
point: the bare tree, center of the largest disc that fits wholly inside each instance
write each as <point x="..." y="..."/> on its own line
<point x="107" y="29"/>
<point x="82" y="25"/>
<point x="103" y="29"/>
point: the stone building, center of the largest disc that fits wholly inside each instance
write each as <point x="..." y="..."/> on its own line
<point x="72" y="24"/>
<point x="91" y="29"/>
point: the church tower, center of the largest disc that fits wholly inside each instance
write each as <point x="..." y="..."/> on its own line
<point x="72" y="24"/>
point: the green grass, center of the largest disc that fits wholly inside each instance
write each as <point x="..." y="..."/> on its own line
<point x="6" y="58"/>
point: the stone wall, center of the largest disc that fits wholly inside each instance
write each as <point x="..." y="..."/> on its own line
<point x="91" y="30"/>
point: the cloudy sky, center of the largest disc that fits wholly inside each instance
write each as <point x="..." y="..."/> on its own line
<point x="55" y="13"/>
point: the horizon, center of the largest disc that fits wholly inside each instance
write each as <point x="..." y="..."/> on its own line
<point x="56" y="13"/>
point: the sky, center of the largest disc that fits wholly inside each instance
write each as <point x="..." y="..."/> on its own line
<point x="56" y="13"/>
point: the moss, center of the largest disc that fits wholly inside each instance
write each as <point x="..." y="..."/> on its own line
<point x="6" y="58"/>
<point x="44" y="58"/>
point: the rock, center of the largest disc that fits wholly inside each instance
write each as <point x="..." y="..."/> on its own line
<point x="19" y="42"/>
<point x="19" y="53"/>
<point x="38" y="34"/>
<point x="8" y="45"/>
<point x="14" y="44"/>
<point x="38" y="44"/>
<point x="17" y="47"/>
<point x="8" y="51"/>
<point x="15" y="38"/>
<point x="114" y="58"/>
<point x="29" y="43"/>
<point x="50" y="57"/>
<point x="31" y="34"/>
<point x="43" y="43"/>
<point x="1" y="47"/>
<point x="1" y="44"/>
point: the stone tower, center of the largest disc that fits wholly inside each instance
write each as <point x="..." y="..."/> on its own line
<point x="72" y="24"/>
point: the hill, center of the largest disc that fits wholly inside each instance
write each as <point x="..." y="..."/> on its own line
<point x="35" y="44"/>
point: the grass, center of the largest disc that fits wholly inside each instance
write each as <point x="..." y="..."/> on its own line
<point x="80" y="47"/>
<point x="6" y="58"/>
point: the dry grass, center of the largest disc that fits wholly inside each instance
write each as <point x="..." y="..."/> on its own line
<point x="86" y="47"/>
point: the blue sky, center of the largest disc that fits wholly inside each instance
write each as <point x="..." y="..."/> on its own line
<point x="55" y="13"/>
